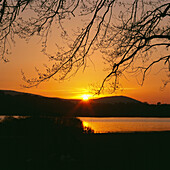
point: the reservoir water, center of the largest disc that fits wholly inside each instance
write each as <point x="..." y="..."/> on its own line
<point x="126" y="124"/>
<point x="123" y="124"/>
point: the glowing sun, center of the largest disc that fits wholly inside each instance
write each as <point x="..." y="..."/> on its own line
<point x="85" y="97"/>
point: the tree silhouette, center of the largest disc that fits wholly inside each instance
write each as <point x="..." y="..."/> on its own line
<point x="125" y="32"/>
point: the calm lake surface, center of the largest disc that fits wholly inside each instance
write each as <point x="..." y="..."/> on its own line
<point x="126" y="124"/>
<point x="123" y="124"/>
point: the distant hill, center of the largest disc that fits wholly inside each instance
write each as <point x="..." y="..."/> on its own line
<point x="109" y="100"/>
<point x="16" y="93"/>
<point x="116" y="99"/>
<point x="26" y="104"/>
<point x="19" y="103"/>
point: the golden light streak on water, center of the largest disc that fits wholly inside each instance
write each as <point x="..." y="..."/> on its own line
<point x="85" y="124"/>
<point x="105" y="125"/>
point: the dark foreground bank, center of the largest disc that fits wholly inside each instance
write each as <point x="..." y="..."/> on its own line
<point x="41" y="144"/>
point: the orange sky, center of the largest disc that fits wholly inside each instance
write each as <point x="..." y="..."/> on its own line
<point x="27" y="56"/>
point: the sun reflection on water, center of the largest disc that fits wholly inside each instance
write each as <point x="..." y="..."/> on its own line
<point x="85" y="124"/>
<point x="105" y="125"/>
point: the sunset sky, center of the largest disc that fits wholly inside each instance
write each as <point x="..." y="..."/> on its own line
<point x="26" y="56"/>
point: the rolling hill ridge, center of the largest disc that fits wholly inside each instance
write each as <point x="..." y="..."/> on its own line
<point x="26" y="104"/>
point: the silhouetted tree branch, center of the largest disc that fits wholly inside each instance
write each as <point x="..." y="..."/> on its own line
<point x="126" y="33"/>
<point x="9" y="26"/>
<point x="136" y="37"/>
<point x="75" y="58"/>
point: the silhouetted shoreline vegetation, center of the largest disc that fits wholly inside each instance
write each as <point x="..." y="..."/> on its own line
<point x="36" y="143"/>
<point x="47" y="136"/>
